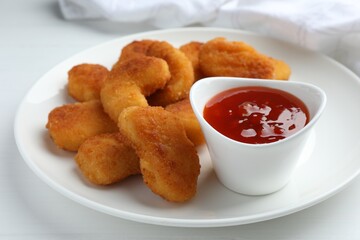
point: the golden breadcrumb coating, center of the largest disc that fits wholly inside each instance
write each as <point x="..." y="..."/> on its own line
<point x="219" y="57"/>
<point x="71" y="124"/>
<point x="129" y="82"/>
<point x="168" y="159"/>
<point x="184" y="111"/>
<point x="137" y="48"/>
<point x="192" y="51"/>
<point x="85" y="81"/>
<point x="106" y="159"/>
<point x="182" y="74"/>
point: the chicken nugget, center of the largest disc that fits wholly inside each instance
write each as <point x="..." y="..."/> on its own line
<point x="71" y="124"/>
<point x="182" y="74"/>
<point x="131" y="81"/>
<point x="282" y="69"/>
<point x="184" y="111"/>
<point x="137" y="48"/>
<point x="85" y="81"/>
<point x="117" y="96"/>
<point x="168" y="159"/>
<point x="148" y="73"/>
<point x="105" y="159"/>
<point x="192" y="51"/>
<point x="219" y="57"/>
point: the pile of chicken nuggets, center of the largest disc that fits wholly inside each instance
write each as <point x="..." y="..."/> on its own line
<point x="136" y="118"/>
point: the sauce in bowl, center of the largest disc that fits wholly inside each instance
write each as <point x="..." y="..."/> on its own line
<point x="256" y="114"/>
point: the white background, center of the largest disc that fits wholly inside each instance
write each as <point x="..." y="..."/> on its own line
<point x="33" y="39"/>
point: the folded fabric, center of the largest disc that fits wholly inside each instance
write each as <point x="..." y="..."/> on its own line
<point x="159" y="13"/>
<point x="331" y="27"/>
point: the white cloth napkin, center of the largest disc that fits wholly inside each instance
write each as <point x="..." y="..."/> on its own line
<point x="328" y="26"/>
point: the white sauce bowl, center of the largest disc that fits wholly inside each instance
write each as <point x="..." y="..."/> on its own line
<point x="255" y="169"/>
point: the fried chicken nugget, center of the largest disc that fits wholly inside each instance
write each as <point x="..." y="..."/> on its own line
<point x="219" y="57"/>
<point x="137" y="48"/>
<point x="184" y="111"/>
<point x="129" y="82"/>
<point x="71" y="124"/>
<point x="192" y="51"/>
<point x="282" y="69"/>
<point x="182" y="74"/>
<point x="168" y="159"/>
<point x="85" y="81"/>
<point x="105" y="159"/>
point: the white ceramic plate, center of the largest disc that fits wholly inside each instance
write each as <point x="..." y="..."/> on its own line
<point x="333" y="153"/>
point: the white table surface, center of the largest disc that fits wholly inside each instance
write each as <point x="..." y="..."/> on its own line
<point x="33" y="39"/>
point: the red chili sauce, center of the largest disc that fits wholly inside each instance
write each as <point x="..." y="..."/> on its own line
<point x="255" y="114"/>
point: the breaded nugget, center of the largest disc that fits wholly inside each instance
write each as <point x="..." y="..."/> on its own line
<point x="192" y="51"/>
<point x="184" y="111"/>
<point x="85" y="81"/>
<point x="137" y="48"/>
<point x="182" y="74"/>
<point x="282" y="69"/>
<point x="71" y="124"/>
<point x="148" y="73"/>
<point x="116" y="96"/>
<point x="105" y="159"/>
<point x="131" y="81"/>
<point x="219" y="57"/>
<point x="168" y="159"/>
